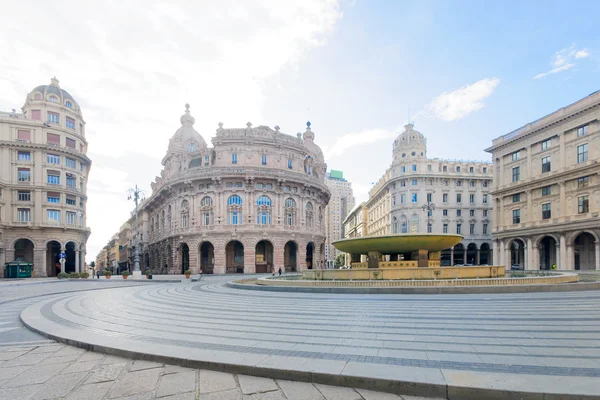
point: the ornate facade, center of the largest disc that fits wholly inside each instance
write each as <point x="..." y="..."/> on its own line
<point x="459" y="191"/>
<point x="253" y="202"/>
<point x="43" y="182"/>
<point x="547" y="190"/>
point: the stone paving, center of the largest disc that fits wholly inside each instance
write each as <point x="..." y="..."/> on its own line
<point x="56" y="371"/>
<point x="34" y="367"/>
<point x="434" y="345"/>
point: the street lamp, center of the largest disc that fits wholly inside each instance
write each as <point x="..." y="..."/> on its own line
<point x="135" y="194"/>
<point x="429" y="207"/>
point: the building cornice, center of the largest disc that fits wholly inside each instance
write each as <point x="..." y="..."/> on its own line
<point x="45" y="147"/>
<point x="586" y="104"/>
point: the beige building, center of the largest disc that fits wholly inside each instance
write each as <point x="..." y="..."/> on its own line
<point x="254" y="202"/>
<point x="355" y="225"/>
<point x="547" y="190"/>
<point x="340" y="203"/>
<point x="458" y="190"/>
<point x="43" y="182"/>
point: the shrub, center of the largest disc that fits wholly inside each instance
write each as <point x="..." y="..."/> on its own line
<point x="74" y="275"/>
<point x="148" y="272"/>
<point x="188" y="272"/>
<point x="62" y="275"/>
<point x="107" y="273"/>
<point x="84" y="275"/>
<point x="126" y="273"/>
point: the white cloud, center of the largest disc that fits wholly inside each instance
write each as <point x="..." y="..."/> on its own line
<point x="132" y="72"/>
<point x="350" y="140"/>
<point x="582" y="54"/>
<point x="563" y="60"/>
<point x="451" y="106"/>
<point x="554" y="71"/>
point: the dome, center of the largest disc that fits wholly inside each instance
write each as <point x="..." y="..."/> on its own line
<point x="46" y="92"/>
<point x="410" y="143"/>
<point x="187" y="138"/>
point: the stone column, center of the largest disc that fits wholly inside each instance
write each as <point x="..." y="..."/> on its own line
<point x="500" y="216"/>
<point x="250" y="259"/>
<point x="529" y="255"/>
<point x="529" y="157"/>
<point x="220" y="257"/>
<point x="501" y="255"/>
<point x="465" y="261"/>
<point x="452" y="257"/>
<point x="423" y="261"/>
<point x="77" y="263"/>
<point x="535" y="257"/>
<point x="374" y="259"/>
<point x="2" y="262"/>
<point x="194" y="260"/>
<point x="494" y="253"/>
<point x="39" y="262"/>
<point x="597" y="254"/>
<point x="562" y="247"/>
<point x="570" y="257"/>
<point x="563" y="200"/>
<point x="478" y="259"/>
<point x="562" y="158"/>
<point x="529" y="207"/>
<point x="507" y="260"/>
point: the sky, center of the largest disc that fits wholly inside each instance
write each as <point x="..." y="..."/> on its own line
<point x="465" y="72"/>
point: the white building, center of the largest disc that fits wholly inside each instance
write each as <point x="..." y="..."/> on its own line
<point x="341" y="202"/>
<point x="457" y="191"/>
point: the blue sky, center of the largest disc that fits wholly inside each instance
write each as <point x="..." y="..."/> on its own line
<point x="353" y="68"/>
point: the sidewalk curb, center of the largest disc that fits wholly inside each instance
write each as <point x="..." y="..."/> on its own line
<point x="565" y="287"/>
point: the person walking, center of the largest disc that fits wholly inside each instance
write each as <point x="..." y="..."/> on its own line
<point x="279" y="271"/>
<point x="98" y="273"/>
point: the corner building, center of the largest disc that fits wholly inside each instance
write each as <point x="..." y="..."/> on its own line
<point x="43" y="182"/>
<point x="547" y="190"/>
<point x="460" y="191"/>
<point x="254" y="202"/>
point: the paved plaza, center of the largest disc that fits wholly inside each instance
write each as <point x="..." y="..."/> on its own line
<point x="445" y="346"/>
<point x="35" y="367"/>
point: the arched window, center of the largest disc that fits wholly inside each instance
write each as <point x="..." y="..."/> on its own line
<point x="234" y="200"/>
<point x="263" y="201"/>
<point x="192" y="147"/>
<point x="185" y="214"/>
<point x="403" y="225"/>
<point x="206" y="205"/>
<point x="395" y="225"/>
<point x="263" y="213"/>
<point x="206" y="202"/>
<point x="290" y="212"/>
<point x="309" y="214"/>
<point x="234" y="214"/>
<point x="38" y="96"/>
<point x="414" y="225"/>
<point x="53" y="99"/>
<point x="69" y="104"/>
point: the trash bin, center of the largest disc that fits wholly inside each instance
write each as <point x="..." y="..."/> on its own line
<point x="149" y="276"/>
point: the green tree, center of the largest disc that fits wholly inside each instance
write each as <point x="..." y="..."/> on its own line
<point x="340" y="260"/>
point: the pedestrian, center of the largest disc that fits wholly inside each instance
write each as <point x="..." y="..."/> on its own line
<point x="273" y="270"/>
<point x="98" y="274"/>
<point x="279" y="271"/>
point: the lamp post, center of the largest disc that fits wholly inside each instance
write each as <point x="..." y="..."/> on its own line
<point x="135" y="194"/>
<point x="429" y="207"/>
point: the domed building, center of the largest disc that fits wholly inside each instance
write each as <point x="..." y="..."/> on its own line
<point x="43" y="182"/>
<point x="419" y="194"/>
<point x="253" y="202"/>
